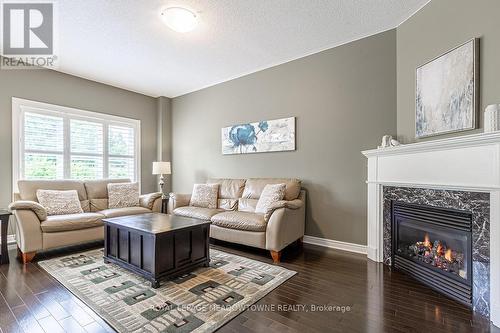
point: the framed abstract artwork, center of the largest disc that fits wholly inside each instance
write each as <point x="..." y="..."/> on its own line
<point x="447" y="92"/>
<point x="259" y="137"/>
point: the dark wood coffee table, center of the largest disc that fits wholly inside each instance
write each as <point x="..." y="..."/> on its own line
<point x="4" y="226"/>
<point x="156" y="245"/>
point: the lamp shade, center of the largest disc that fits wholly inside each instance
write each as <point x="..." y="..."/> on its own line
<point x="161" y="168"/>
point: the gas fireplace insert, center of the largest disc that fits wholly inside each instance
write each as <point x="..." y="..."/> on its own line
<point x="434" y="245"/>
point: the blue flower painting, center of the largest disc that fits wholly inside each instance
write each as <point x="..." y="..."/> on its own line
<point x="258" y="137"/>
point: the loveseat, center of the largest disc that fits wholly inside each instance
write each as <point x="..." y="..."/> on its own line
<point x="235" y="220"/>
<point x="36" y="231"/>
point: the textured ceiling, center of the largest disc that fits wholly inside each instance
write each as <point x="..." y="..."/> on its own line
<point x="125" y="44"/>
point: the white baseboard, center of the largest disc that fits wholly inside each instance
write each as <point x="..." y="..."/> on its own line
<point x="335" y="244"/>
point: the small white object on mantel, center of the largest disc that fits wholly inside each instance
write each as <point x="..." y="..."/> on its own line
<point x="464" y="163"/>
<point x="388" y="141"/>
<point x="492" y="118"/>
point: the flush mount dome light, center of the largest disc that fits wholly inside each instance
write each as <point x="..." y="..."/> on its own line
<point x="179" y="19"/>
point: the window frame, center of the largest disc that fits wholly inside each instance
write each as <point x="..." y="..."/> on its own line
<point x="21" y="106"/>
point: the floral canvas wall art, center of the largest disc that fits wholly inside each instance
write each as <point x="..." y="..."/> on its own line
<point x="446" y="92"/>
<point x="259" y="137"/>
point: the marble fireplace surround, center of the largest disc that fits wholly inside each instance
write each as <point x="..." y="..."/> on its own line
<point x="477" y="203"/>
<point x="464" y="169"/>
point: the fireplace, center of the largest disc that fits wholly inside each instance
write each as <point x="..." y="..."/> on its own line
<point x="460" y="173"/>
<point x="434" y="245"/>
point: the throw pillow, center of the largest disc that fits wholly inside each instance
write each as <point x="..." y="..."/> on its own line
<point x="59" y="202"/>
<point x="270" y="194"/>
<point x="121" y="195"/>
<point x="204" y="195"/>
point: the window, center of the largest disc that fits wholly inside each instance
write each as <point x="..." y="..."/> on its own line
<point x="55" y="142"/>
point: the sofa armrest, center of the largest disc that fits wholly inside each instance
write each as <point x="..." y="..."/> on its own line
<point x="286" y="224"/>
<point x="148" y="200"/>
<point x="178" y="200"/>
<point x="292" y="204"/>
<point x="35" y="207"/>
<point x="28" y="231"/>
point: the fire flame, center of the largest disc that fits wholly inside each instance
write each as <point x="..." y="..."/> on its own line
<point x="439" y="249"/>
<point x="447" y="255"/>
<point x="427" y="241"/>
<point x="437" y="253"/>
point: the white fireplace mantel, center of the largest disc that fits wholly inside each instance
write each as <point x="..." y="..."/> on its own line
<point x="466" y="163"/>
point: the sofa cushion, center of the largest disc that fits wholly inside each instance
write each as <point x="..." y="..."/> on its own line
<point x="204" y="195"/>
<point x="85" y="205"/>
<point x="58" y="223"/>
<point x="196" y="212"/>
<point x="255" y="186"/>
<point x="115" y="212"/>
<point x="98" y="189"/>
<point x="247" y="205"/>
<point x="122" y="195"/>
<point x="96" y="205"/>
<point x="28" y="188"/>
<point x="240" y="220"/>
<point x="229" y="188"/>
<point x="59" y="202"/>
<point x="227" y="204"/>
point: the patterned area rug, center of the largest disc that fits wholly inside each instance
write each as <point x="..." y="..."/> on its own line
<point x="201" y="301"/>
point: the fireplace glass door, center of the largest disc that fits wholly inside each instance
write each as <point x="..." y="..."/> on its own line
<point x="434" y="245"/>
<point x="442" y="249"/>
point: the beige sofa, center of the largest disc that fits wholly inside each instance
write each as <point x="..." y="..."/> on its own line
<point x="234" y="219"/>
<point x="36" y="231"/>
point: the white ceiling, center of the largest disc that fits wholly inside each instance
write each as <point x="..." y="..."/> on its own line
<point x="125" y="44"/>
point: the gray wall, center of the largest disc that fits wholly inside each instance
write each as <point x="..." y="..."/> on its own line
<point x="344" y="100"/>
<point x="438" y="27"/>
<point x="62" y="89"/>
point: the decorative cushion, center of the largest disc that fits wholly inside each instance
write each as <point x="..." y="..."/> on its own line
<point x="123" y="195"/>
<point x="58" y="223"/>
<point x="115" y="212"/>
<point x="240" y="220"/>
<point x="196" y="212"/>
<point x="204" y="196"/>
<point x="59" y="202"/>
<point x="271" y="193"/>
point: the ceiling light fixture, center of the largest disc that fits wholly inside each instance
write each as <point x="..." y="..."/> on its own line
<point x="179" y="19"/>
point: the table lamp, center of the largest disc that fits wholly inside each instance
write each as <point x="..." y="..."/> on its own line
<point x="161" y="168"/>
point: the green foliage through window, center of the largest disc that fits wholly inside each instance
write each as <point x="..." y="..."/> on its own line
<point x="45" y="149"/>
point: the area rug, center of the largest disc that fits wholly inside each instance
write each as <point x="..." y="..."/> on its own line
<point x="200" y="301"/>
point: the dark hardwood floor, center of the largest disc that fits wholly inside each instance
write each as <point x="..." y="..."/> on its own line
<point x="373" y="298"/>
